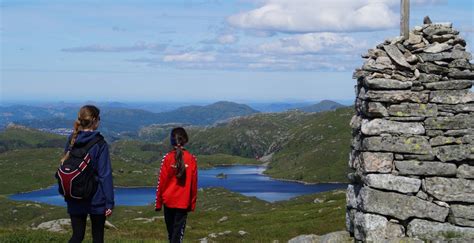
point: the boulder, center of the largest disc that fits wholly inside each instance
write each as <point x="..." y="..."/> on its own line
<point x="402" y="144"/>
<point x="311" y="238"/>
<point x="375" y="228"/>
<point x="58" y="225"/>
<point x="399" y="206"/>
<point x="392" y="183"/>
<point x="430" y="168"/>
<point x="450" y="189"/>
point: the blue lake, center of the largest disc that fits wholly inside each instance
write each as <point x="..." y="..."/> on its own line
<point x="247" y="180"/>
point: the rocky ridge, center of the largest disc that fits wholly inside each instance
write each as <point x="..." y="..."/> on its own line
<point x="413" y="139"/>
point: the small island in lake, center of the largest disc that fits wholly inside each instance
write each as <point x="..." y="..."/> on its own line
<point x="221" y="176"/>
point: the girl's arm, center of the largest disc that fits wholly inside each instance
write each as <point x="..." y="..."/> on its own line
<point x="194" y="186"/>
<point x="162" y="177"/>
<point x="104" y="173"/>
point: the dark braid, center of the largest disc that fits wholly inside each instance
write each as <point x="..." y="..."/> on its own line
<point x="179" y="138"/>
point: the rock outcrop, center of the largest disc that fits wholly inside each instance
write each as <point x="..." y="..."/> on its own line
<point x="413" y="139"/>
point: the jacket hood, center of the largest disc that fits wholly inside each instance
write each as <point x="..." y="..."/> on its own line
<point x="83" y="137"/>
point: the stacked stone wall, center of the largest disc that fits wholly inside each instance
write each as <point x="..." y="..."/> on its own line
<point x="413" y="139"/>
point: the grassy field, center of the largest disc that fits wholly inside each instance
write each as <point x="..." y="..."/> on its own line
<point x="32" y="167"/>
<point x="263" y="222"/>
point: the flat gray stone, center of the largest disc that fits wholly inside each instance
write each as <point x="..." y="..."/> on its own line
<point x="460" y="132"/>
<point x="437" y="48"/>
<point x="466" y="74"/>
<point x="461" y="121"/>
<point x="383" y="83"/>
<point x="459" y="108"/>
<point x="428" y="78"/>
<point x="425" y="157"/>
<point x="454" y="54"/>
<point x="451" y="96"/>
<point x="437" y="29"/>
<point x="428" y="168"/>
<point x="428" y="67"/>
<point x="450" y="189"/>
<point x="453" y="152"/>
<point x="442" y="140"/>
<point x="399" y="206"/>
<point x="451" y="84"/>
<point x="409" y="145"/>
<point x="411" y="109"/>
<point x="396" y="96"/>
<point x="465" y="171"/>
<point x="375" y="228"/>
<point x="374" y="109"/>
<point x="380" y="126"/>
<point x="430" y="230"/>
<point x="460" y="63"/>
<point x="395" y="54"/>
<point x="393" y="183"/>
<point x="376" y="162"/>
<point x="462" y="211"/>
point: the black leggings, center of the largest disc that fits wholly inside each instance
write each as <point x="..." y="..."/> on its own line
<point x="78" y="223"/>
<point x="175" y="219"/>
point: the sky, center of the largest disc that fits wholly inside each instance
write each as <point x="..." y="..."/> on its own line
<point x="199" y="50"/>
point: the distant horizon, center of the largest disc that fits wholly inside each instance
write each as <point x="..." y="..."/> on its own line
<point x="201" y="102"/>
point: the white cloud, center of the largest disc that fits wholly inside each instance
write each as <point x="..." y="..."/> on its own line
<point x="313" y="43"/>
<point x="227" y="39"/>
<point x="319" y="16"/>
<point x="190" y="57"/>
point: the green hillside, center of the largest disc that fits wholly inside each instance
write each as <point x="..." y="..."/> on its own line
<point x="250" y="136"/>
<point x="311" y="147"/>
<point x="17" y="137"/>
<point x="324" y="105"/>
<point x="318" y="149"/>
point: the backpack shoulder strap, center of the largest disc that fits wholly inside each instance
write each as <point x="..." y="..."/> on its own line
<point x="82" y="151"/>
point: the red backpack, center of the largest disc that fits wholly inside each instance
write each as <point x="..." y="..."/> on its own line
<point x="76" y="176"/>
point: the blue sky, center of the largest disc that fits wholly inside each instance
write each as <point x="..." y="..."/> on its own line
<point x="198" y="50"/>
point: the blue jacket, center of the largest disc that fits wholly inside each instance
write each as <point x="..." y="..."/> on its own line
<point x="104" y="197"/>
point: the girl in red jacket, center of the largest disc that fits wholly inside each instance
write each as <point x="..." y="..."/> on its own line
<point x="177" y="185"/>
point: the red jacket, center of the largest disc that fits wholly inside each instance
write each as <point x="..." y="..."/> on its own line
<point x="170" y="191"/>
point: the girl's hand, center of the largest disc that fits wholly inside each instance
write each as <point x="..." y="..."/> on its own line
<point x="108" y="212"/>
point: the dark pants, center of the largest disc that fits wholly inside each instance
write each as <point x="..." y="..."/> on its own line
<point x="175" y="219"/>
<point x="78" y="223"/>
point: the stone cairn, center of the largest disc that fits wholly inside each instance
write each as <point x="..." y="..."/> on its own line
<point x="413" y="139"/>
